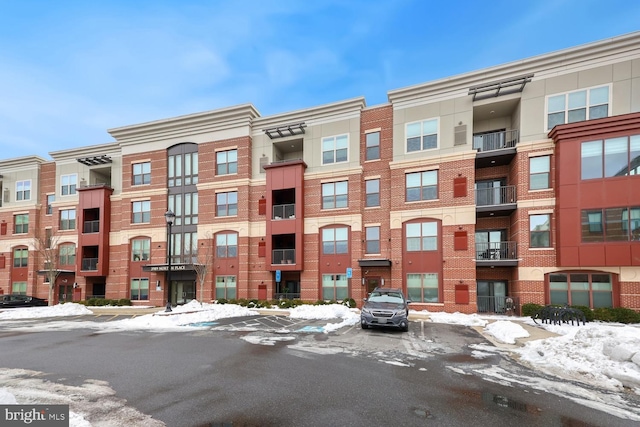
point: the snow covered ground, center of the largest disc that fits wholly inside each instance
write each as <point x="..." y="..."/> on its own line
<point x="603" y="355"/>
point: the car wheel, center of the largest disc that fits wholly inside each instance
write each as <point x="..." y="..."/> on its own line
<point x="404" y="326"/>
<point x="364" y="325"/>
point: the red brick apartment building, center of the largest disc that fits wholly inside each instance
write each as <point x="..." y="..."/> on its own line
<point x="517" y="181"/>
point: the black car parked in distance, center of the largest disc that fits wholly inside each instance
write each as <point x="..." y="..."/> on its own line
<point x="14" y="301"/>
<point x="387" y="308"/>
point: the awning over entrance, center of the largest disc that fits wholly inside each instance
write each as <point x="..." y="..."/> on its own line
<point x="165" y="267"/>
<point x="374" y="262"/>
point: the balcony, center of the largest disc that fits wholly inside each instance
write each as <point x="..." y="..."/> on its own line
<point x="495" y="148"/>
<point x="286" y="211"/>
<point x="91" y="227"/>
<point x="283" y="256"/>
<point x="89" y="264"/>
<point x="496" y="201"/>
<point x="496" y="254"/>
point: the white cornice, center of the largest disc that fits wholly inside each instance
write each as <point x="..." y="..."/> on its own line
<point x="183" y="126"/>
<point x="19" y="163"/>
<point x="589" y="55"/>
<point x="109" y="149"/>
<point x="314" y="115"/>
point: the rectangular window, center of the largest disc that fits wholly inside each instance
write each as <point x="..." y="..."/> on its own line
<point x="372" y="236"/>
<point x="50" y="199"/>
<point x="631" y="221"/>
<point x="423" y="287"/>
<point x="68" y="219"/>
<point x="540" y="231"/>
<point x="182" y="169"/>
<point x="141" y="173"/>
<point x="227" y="204"/>
<point x="185" y="207"/>
<point x="225" y="287"/>
<point x="68" y="184"/>
<point x="141" y="212"/>
<point x="421" y="186"/>
<point x="372" y="189"/>
<point x="334" y="195"/>
<point x="21" y="224"/>
<point x="422" y="135"/>
<point x="19" y="288"/>
<point x="335" y="241"/>
<point x="335" y="149"/>
<point x="539" y="172"/>
<point x="23" y="190"/>
<point x="615" y="224"/>
<point x="421" y="236"/>
<point x="20" y="257"/>
<point x="591" y="225"/>
<point x="139" y="289"/>
<point x="226" y="245"/>
<point x="585" y="104"/>
<point x="140" y="249"/>
<point x="226" y="162"/>
<point x="67" y="254"/>
<point x="335" y="287"/>
<point x="372" y="146"/>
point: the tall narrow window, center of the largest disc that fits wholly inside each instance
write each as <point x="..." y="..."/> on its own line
<point x="21" y="224"/>
<point x="592" y="229"/>
<point x="539" y="172"/>
<point x="140" y="249"/>
<point x="67" y="254"/>
<point x="372" y="189"/>
<point x="226" y="162"/>
<point x="334" y="195"/>
<point x="68" y="219"/>
<point x="372" y="146"/>
<point x="141" y="173"/>
<point x="50" y="199"/>
<point x="372" y="240"/>
<point x="335" y="149"/>
<point x="20" y="257"/>
<point x="68" y="184"/>
<point x="540" y="231"/>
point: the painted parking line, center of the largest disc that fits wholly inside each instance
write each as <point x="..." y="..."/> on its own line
<point x="313" y="329"/>
<point x="202" y="324"/>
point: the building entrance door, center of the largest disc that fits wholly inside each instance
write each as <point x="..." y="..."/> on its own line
<point x="65" y="292"/>
<point x="491" y="296"/>
<point x="182" y="291"/>
<point x="372" y="283"/>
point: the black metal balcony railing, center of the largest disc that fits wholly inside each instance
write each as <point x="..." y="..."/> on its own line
<point x="91" y="226"/>
<point x="283" y="256"/>
<point x="496" y="251"/>
<point x="496" y="140"/>
<point x="284" y="211"/>
<point x="89" y="264"/>
<point x="496" y="195"/>
<point x="499" y="305"/>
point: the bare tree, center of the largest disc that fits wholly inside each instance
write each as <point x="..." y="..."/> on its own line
<point x="46" y="247"/>
<point x="203" y="262"/>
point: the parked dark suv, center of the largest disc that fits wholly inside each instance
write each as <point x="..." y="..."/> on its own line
<point x="387" y="308"/>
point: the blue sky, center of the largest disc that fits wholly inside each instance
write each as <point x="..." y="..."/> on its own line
<point x="70" y="70"/>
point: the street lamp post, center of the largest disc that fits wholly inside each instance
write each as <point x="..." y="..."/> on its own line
<point x="169" y="216"/>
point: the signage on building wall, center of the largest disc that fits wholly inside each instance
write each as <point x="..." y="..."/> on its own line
<point x="156" y="268"/>
<point x="349" y="273"/>
<point x="278" y="275"/>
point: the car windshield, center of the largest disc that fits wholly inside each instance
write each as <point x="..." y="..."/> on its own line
<point x="393" y="297"/>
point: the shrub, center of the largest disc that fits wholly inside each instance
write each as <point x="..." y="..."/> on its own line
<point x="349" y="302"/>
<point x="603" y="314"/>
<point x="625" y="315"/>
<point x="530" y="309"/>
<point x="588" y="313"/>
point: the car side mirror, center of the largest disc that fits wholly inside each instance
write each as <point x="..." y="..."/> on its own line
<point x="364" y="299"/>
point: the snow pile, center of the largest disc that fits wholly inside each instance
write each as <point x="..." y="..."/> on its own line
<point x="506" y="331"/>
<point x="457" y="318"/>
<point x="606" y="355"/>
<point x="325" y="312"/>
<point x="59" y="310"/>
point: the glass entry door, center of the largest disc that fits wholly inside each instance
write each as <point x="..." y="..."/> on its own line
<point x="491" y="296"/>
<point x="182" y="292"/>
<point x="372" y="283"/>
<point x="65" y="292"/>
<point x="488" y="244"/>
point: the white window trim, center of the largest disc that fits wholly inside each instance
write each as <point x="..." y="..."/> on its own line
<point x="15" y="195"/>
<point x="334" y="149"/>
<point x="437" y="147"/>
<point x="587" y="89"/>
